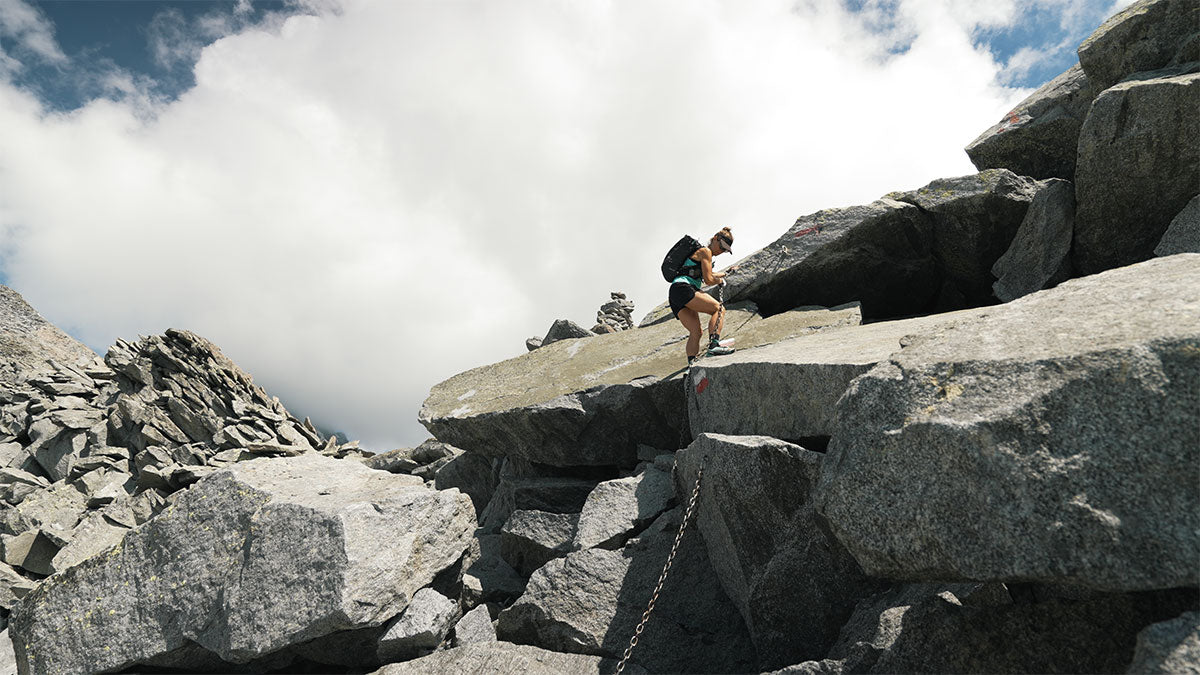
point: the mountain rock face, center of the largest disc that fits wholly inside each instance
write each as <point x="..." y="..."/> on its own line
<point x="262" y="554"/>
<point x="995" y="473"/>
<point x="1033" y="418"/>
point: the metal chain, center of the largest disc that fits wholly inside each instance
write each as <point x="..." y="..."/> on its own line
<point x="637" y="632"/>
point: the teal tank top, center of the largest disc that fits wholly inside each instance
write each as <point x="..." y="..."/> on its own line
<point x="691" y="280"/>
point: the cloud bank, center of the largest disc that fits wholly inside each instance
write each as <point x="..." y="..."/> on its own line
<point x="358" y="202"/>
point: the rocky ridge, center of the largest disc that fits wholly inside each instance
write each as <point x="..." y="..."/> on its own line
<point x="940" y="448"/>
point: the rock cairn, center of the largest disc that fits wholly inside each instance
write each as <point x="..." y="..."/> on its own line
<point x="614" y="315"/>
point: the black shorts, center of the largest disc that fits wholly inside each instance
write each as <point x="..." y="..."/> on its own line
<point x="680" y="295"/>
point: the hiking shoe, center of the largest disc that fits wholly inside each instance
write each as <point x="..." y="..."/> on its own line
<point x="718" y="350"/>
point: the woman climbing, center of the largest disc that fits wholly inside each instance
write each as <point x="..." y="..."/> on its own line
<point x="688" y="302"/>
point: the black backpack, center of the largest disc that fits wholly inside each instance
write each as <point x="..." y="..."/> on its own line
<point x="683" y="249"/>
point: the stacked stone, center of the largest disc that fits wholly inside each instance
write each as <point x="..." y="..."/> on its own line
<point x="614" y="315"/>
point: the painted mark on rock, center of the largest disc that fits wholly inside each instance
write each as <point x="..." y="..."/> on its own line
<point x="701" y="381"/>
<point x="1014" y="119"/>
<point x="815" y="229"/>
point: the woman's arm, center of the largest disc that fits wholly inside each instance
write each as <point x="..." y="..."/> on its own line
<point x="704" y="257"/>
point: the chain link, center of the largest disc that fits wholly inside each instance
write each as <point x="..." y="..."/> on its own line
<point x="687" y="515"/>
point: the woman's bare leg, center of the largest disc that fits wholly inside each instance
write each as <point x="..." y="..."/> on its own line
<point x="704" y="303"/>
<point x="691" y="320"/>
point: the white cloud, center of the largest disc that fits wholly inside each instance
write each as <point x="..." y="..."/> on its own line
<point x="359" y="204"/>
<point x="31" y="31"/>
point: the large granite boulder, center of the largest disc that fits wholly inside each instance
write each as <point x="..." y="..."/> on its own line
<point x="564" y="329"/>
<point x="878" y="254"/>
<point x="1038" y="138"/>
<point x="1147" y="35"/>
<point x="591" y="402"/>
<point x="590" y="602"/>
<point x="619" y="508"/>
<point x="974" y="221"/>
<point x="500" y="657"/>
<point x="790" y="389"/>
<point x="1138" y="167"/>
<point x="1054" y="439"/>
<point x="250" y="560"/>
<point x="1183" y="234"/>
<point x="531" y="539"/>
<point x="1040" y="254"/>
<point x="793" y="584"/>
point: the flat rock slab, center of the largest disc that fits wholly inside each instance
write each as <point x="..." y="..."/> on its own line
<point x="878" y="254"/>
<point x="974" y="219"/>
<point x="1054" y="439"/>
<point x="499" y="657"/>
<point x="1138" y="168"/>
<point x="790" y="389"/>
<point x="422" y="626"/>
<point x="590" y="602"/>
<point x="793" y="584"/>
<point x="531" y="539"/>
<point x="592" y="401"/>
<point x="1040" y="254"/>
<point x="254" y="558"/>
<point x="1145" y="36"/>
<point x="1038" y="137"/>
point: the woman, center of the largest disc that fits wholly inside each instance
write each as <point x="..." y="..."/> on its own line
<point x="688" y="302"/>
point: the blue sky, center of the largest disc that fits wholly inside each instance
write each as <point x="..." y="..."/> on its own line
<point x="358" y="199"/>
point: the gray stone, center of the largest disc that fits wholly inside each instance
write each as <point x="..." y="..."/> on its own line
<point x="31" y="550"/>
<point x="793" y="584"/>
<point x="282" y="550"/>
<point x="1016" y="446"/>
<point x="422" y="626"/>
<point x="533" y="343"/>
<point x="974" y="221"/>
<point x="94" y="535"/>
<point x="475" y="627"/>
<point x="13" y="587"/>
<point x="1038" y="137"/>
<point x="8" y="659"/>
<point x="1138" y="168"/>
<point x="1169" y="647"/>
<point x="519" y="490"/>
<point x="1183" y="234"/>
<point x="486" y="577"/>
<point x="790" y="389"/>
<point x="563" y="329"/>
<point x="879" y="254"/>
<point x="530" y="539"/>
<point x="394" y="461"/>
<point x="55" y="510"/>
<point x="55" y="447"/>
<point x="608" y="394"/>
<point x="1145" y="36"/>
<point x="590" y="602"/>
<point x="500" y="657"/>
<point x="617" y="509"/>
<point x="1040" y="254"/>
<point x="473" y="474"/>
